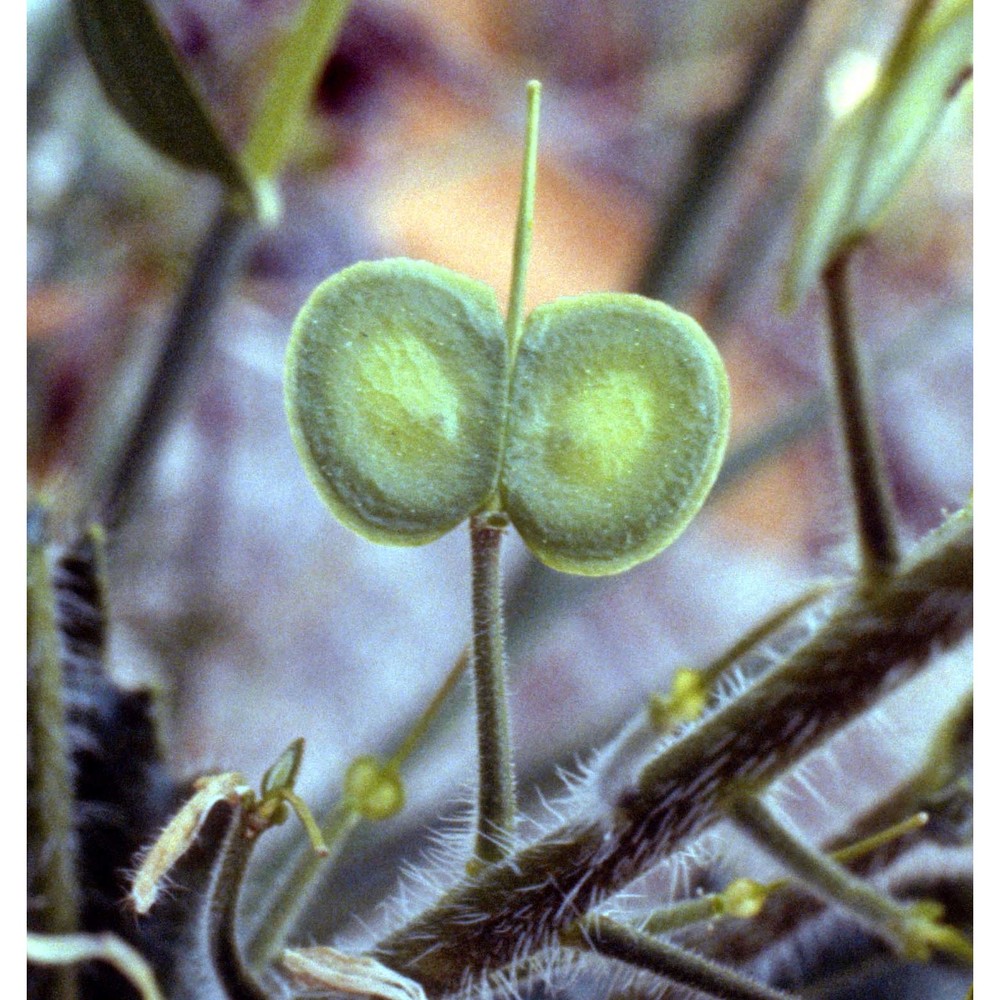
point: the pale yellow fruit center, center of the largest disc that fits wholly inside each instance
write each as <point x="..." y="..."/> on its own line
<point x="600" y="429"/>
<point x="408" y="403"/>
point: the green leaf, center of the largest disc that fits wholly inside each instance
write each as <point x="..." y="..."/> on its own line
<point x="619" y="417"/>
<point x="395" y="386"/>
<point x="872" y="148"/>
<point x="287" y="99"/>
<point x="138" y="68"/>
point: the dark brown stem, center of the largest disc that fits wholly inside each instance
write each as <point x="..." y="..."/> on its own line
<point x="489" y="667"/>
<point x="876" y="520"/>
<point x="876" y="637"/>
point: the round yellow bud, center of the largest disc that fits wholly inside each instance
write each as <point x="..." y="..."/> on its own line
<point x="374" y="789"/>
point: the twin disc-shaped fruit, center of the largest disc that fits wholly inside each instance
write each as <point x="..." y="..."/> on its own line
<point x="599" y="434"/>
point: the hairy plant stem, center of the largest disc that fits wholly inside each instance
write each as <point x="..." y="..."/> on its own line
<point x="184" y="347"/>
<point x="903" y="821"/>
<point x="237" y="980"/>
<point x="496" y="802"/>
<point x="52" y="791"/>
<point x="874" y="513"/>
<point x="877" y="636"/>
<point x="615" y="940"/>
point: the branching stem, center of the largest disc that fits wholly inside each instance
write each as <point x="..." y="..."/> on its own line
<point x="817" y="870"/>
<point x="875" y="638"/>
<point x="296" y="890"/>
<point x="306" y="866"/>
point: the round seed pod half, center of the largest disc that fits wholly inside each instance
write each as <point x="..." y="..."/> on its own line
<point x="619" y="417"/>
<point x="395" y="383"/>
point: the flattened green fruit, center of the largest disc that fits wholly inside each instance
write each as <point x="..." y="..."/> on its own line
<point x="395" y="385"/>
<point x="618" y="421"/>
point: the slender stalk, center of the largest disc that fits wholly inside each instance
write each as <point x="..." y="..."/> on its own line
<point x="496" y="769"/>
<point x="873" y="506"/>
<point x="683" y="913"/>
<point x="496" y="804"/>
<point x="668" y="269"/>
<point x="525" y="220"/>
<point x="875" y="638"/>
<point x="425" y="720"/>
<point x="862" y="848"/>
<point x="52" y="779"/>
<point x="295" y="891"/>
<point x="766" y="629"/>
<point x="237" y="980"/>
<point x="280" y="913"/>
<point x="184" y="346"/>
<point x="903" y="925"/>
<point x="615" y="940"/>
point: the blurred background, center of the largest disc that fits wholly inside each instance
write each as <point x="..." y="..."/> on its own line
<point x="674" y="140"/>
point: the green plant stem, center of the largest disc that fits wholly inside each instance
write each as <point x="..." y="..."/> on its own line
<point x="183" y="349"/>
<point x="899" y="817"/>
<point x="682" y="914"/>
<point x="615" y="940"/>
<point x="495" y="822"/>
<point x="289" y="93"/>
<point x="306" y="867"/>
<point x="421" y="727"/>
<point x="824" y="875"/>
<point x="296" y="889"/>
<point x="875" y="638"/>
<point x="237" y="980"/>
<point x="874" y="513"/>
<point x="525" y="220"/>
<point x="52" y="788"/>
